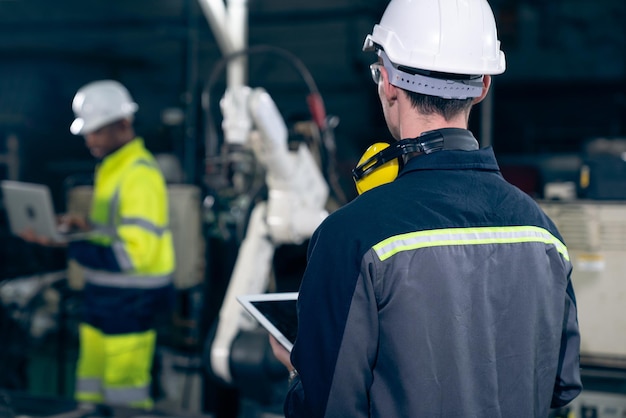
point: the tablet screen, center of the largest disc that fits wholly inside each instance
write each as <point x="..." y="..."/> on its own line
<point x="277" y="312"/>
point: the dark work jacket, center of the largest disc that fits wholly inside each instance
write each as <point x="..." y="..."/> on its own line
<point x="445" y="293"/>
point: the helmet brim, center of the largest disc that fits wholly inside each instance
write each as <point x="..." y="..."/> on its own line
<point x="369" y="45"/>
<point x="77" y="126"/>
<point x="81" y="127"/>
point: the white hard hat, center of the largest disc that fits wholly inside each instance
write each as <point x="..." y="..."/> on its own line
<point x="456" y="37"/>
<point x="100" y="103"/>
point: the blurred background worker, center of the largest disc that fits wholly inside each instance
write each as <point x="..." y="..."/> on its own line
<point x="445" y="291"/>
<point x="128" y="259"/>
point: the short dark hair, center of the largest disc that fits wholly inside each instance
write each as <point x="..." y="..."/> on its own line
<point x="448" y="108"/>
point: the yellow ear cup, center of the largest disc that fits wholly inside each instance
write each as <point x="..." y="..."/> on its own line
<point x="386" y="173"/>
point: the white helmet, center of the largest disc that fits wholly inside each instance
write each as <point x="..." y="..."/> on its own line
<point x="456" y="37"/>
<point x="100" y="103"/>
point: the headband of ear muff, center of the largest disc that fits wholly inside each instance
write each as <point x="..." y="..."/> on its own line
<point x="381" y="162"/>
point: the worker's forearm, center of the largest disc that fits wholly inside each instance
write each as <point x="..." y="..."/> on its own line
<point x="93" y="256"/>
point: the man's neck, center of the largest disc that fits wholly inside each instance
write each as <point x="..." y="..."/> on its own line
<point x="416" y="127"/>
<point x="413" y="124"/>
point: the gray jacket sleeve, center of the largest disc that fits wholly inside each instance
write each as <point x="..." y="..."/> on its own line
<point x="568" y="383"/>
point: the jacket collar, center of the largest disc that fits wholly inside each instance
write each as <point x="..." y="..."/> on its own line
<point x="452" y="159"/>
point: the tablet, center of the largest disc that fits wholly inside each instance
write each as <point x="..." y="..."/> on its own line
<point x="276" y="312"/>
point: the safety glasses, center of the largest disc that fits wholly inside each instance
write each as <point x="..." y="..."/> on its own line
<point x="375" y="70"/>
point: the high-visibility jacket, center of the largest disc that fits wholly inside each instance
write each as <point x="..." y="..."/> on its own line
<point x="445" y="293"/>
<point x="129" y="262"/>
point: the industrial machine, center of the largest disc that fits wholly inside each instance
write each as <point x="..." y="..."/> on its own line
<point x="297" y="195"/>
<point x="297" y="191"/>
<point x="595" y="234"/>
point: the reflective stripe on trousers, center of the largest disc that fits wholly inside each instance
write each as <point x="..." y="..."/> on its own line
<point x="89" y="389"/>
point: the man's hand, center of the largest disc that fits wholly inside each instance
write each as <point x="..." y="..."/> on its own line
<point x="65" y="223"/>
<point x="73" y="222"/>
<point x="281" y="353"/>
<point x="30" y="236"/>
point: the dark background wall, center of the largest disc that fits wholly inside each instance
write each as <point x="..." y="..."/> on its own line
<point x="565" y="81"/>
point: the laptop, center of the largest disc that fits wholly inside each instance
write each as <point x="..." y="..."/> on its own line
<point x="276" y="312"/>
<point x="29" y="206"/>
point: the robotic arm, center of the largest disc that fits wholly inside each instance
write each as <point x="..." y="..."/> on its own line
<point x="297" y="190"/>
<point x="294" y="208"/>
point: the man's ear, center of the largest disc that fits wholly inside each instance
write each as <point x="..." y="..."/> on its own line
<point x="486" y="85"/>
<point x="390" y="91"/>
<point x="126" y="123"/>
